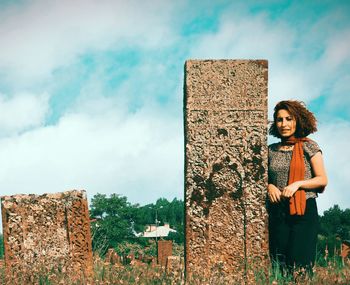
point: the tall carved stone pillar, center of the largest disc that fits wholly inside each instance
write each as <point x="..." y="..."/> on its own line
<point x="226" y="169"/>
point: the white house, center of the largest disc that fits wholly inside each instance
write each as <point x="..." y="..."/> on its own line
<point x="152" y="231"/>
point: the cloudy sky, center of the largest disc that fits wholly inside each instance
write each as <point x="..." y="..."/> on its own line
<point x="91" y="91"/>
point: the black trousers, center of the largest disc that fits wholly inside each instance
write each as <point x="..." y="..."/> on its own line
<point x="293" y="238"/>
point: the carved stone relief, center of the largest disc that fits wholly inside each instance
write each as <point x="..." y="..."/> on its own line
<point x="50" y="231"/>
<point x="225" y="167"/>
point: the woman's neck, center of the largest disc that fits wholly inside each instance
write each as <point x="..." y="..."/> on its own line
<point x="285" y="141"/>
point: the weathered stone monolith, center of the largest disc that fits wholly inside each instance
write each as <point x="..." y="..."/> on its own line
<point x="226" y="169"/>
<point x="47" y="232"/>
<point x="165" y="249"/>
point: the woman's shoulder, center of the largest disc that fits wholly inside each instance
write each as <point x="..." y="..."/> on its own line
<point x="311" y="147"/>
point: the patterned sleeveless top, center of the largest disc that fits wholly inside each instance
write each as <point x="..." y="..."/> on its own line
<point x="279" y="161"/>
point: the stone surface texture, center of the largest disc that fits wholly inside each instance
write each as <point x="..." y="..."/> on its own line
<point x="226" y="168"/>
<point x="165" y="249"/>
<point x="174" y="264"/>
<point x="48" y="231"/>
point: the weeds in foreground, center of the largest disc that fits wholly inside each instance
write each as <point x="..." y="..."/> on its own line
<point x="326" y="272"/>
<point x="332" y="271"/>
<point x="2" y="275"/>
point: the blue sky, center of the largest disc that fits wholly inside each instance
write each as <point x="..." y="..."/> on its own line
<point x="91" y="91"/>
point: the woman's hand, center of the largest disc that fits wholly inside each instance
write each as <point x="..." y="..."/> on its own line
<point x="318" y="182"/>
<point x="274" y="193"/>
<point x="289" y="190"/>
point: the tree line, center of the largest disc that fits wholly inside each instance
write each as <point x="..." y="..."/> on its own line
<point x="115" y="222"/>
<point x="118" y="220"/>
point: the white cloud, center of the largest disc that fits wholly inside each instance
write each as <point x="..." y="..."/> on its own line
<point x="340" y="99"/>
<point x="257" y="37"/>
<point x="240" y="36"/>
<point x="304" y="62"/>
<point x="333" y="138"/>
<point x="41" y="36"/>
<point x="338" y="50"/>
<point x="333" y="70"/>
<point x="138" y="156"/>
<point x="22" y="111"/>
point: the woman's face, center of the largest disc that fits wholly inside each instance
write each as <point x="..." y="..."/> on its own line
<point x="285" y="123"/>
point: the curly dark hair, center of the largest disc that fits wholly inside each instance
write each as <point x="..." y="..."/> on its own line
<point x="305" y="120"/>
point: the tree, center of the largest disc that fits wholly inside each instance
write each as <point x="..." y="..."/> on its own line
<point x="335" y="222"/>
<point x="178" y="237"/>
<point x="334" y="227"/>
<point x="114" y="221"/>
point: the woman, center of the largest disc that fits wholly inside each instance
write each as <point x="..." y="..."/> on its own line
<point x="296" y="175"/>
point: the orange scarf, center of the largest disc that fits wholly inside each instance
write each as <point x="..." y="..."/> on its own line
<point x="297" y="203"/>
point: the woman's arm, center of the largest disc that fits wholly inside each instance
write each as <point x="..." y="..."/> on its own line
<point x="319" y="181"/>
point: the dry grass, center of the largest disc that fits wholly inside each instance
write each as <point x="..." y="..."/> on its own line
<point x="332" y="272"/>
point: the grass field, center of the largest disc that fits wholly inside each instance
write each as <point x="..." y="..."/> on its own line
<point x="327" y="272"/>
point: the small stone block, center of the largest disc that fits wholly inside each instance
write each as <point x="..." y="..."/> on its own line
<point x="47" y="232"/>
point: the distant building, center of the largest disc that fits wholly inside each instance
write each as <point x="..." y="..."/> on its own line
<point x="152" y="231"/>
